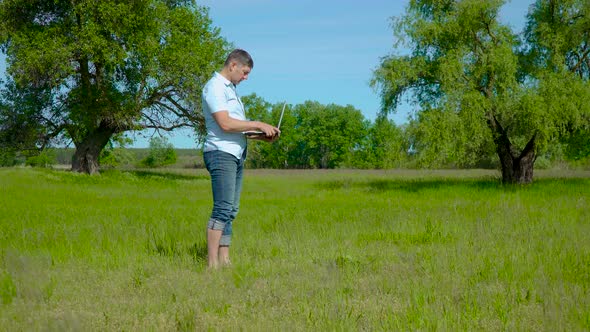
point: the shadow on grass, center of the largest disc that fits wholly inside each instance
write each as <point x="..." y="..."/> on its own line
<point x="198" y="251"/>
<point x="411" y="185"/>
<point x="418" y="185"/>
<point x="167" y="175"/>
<point x="167" y="244"/>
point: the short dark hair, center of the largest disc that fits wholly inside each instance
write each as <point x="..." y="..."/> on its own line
<point x="241" y="57"/>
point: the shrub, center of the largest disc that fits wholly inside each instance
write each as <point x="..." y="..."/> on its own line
<point x="161" y="153"/>
<point x="111" y="158"/>
<point x="45" y="159"/>
<point x="7" y="158"/>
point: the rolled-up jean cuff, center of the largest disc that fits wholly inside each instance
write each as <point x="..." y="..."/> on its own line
<point x="225" y="240"/>
<point x="216" y="225"/>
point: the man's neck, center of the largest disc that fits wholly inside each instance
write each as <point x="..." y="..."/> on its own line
<point x="225" y="73"/>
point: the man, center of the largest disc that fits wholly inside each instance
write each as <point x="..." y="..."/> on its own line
<point x="224" y="150"/>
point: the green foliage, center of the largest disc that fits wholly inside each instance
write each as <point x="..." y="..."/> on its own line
<point x="21" y="127"/>
<point x="330" y="132"/>
<point x="574" y="149"/>
<point x="259" y="109"/>
<point x="115" y="154"/>
<point x="161" y="153"/>
<point x="557" y="36"/>
<point x="116" y="157"/>
<point x="87" y="70"/>
<point x="312" y="135"/>
<point x="44" y="159"/>
<point x="476" y="82"/>
<point x="7" y="157"/>
<point x="578" y="145"/>
<point x="438" y="140"/>
<point x="384" y="147"/>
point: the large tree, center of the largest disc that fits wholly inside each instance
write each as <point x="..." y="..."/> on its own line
<point x="475" y="88"/>
<point x="94" y="69"/>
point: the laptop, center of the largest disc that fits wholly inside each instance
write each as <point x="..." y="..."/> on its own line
<point x="254" y="133"/>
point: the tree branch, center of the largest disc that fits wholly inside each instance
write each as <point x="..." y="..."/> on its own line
<point x="159" y="123"/>
<point x="166" y="128"/>
<point x="167" y="107"/>
<point x="157" y="95"/>
<point x="490" y="33"/>
<point x="582" y="59"/>
<point x="530" y="147"/>
<point x="175" y="103"/>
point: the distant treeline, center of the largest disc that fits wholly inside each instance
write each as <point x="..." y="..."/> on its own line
<point x="63" y="156"/>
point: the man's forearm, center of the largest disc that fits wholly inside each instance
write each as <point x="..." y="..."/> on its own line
<point x="231" y="125"/>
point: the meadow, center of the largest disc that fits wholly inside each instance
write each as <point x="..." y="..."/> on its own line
<point x="312" y="250"/>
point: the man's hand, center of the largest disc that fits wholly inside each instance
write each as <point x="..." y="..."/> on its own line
<point x="268" y="130"/>
<point x="263" y="137"/>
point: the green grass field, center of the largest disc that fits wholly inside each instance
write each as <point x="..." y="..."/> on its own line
<point x="312" y="250"/>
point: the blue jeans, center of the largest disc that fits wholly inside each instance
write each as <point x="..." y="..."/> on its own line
<point x="226" y="182"/>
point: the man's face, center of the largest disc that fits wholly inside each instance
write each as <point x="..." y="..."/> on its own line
<point x="239" y="72"/>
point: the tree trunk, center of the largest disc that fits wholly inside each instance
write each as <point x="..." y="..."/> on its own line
<point x="517" y="168"/>
<point x="85" y="159"/>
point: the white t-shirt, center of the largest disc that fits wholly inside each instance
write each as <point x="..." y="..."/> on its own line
<point x="219" y="94"/>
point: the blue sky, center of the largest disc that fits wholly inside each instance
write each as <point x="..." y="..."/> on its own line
<point x="322" y="50"/>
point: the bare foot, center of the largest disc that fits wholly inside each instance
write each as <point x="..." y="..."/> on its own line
<point x="213" y="266"/>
